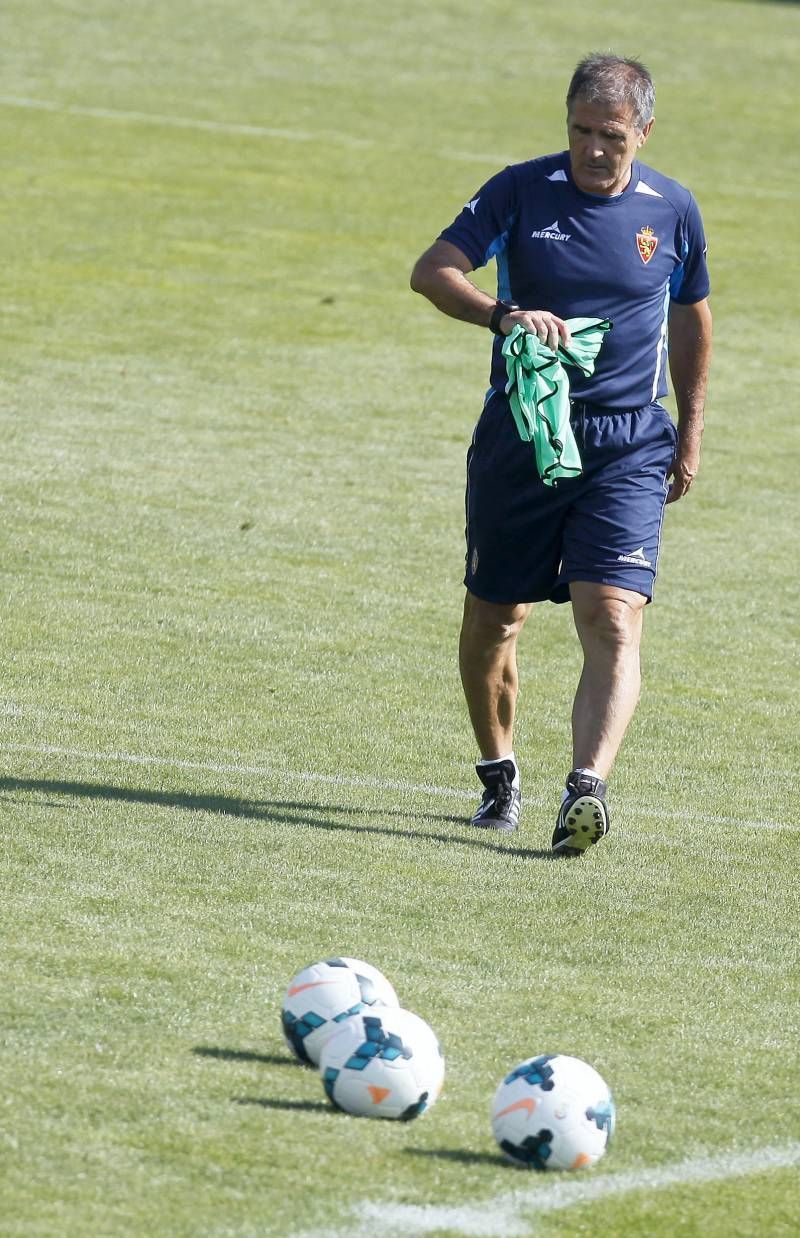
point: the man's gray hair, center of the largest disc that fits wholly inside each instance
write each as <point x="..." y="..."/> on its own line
<point x="614" y="80"/>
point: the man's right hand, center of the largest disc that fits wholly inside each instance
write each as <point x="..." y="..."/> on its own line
<point x="550" y="329"/>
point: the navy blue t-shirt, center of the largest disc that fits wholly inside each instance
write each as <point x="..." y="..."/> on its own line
<point x="577" y="254"/>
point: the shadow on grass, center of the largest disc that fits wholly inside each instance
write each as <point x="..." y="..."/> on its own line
<point x="270" y="1059"/>
<point x="268" y="1102"/>
<point x="282" y="812"/>
<point x="460" y="1156"/>
<point x="245" y="1055"/>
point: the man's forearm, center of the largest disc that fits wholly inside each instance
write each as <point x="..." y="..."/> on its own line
<point x="689" y="362"/>
<point x="450" y="291"/>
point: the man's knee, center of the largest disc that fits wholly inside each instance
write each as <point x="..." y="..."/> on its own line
<point x="492" y="622"/>
<point x="613" y="616"/>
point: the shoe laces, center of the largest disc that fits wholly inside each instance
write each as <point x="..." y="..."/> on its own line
<point x="503" y="795"/>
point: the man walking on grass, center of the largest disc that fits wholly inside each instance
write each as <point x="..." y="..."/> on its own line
<point x="571" y="509"/>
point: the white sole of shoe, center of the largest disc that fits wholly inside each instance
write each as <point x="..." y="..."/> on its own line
<point x="587" y="820"/>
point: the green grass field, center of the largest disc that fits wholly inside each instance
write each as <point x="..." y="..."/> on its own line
<point x="234" y="739"/>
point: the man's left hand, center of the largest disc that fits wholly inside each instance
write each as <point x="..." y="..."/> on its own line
<point x="683" y="472"/>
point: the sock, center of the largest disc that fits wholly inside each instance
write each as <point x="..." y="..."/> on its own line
<point x="581" y="769"/>
<point x="496" y="761"/>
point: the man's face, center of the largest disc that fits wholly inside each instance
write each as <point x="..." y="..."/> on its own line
<point x="602" y="146"/>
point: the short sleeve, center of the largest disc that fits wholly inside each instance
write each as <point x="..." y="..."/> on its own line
<point x="481" y="230"/>
<point x="689" y="282"/>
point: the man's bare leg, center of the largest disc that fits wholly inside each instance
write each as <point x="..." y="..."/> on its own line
<point x="608" y="621"/>
<point x="487" y="655"/>
<point x="488" y="663"/>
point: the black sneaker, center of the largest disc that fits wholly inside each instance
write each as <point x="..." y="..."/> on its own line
<point x="501" y="803"/>
<point x="583" y="818"/>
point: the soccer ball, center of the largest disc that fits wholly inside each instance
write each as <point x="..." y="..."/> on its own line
<point x="383" y="1064"/>
<point x="322" y="996"/>
<point x="553" y="1112"/>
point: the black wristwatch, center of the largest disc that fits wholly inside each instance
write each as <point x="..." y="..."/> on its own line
<point x="498" y="313"/>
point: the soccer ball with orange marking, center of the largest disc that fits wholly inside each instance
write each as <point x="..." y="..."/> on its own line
<point x="320" y="998"/>
<point x="553" y="1112"/>
<point x="383" y="1063"/>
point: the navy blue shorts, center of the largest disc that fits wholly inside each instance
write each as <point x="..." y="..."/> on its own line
<point x="527" y="541"/>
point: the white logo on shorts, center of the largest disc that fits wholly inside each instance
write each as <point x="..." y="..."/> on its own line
<point x="473" y="563"/>
<point x="637" y="557"/>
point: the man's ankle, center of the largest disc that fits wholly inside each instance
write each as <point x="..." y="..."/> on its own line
<point x="484" y="761"/>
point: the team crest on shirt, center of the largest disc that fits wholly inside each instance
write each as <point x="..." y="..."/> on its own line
<point x="646" y="243"/>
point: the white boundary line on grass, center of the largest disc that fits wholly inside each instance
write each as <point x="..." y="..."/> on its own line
<point x="174" y="122"/>
<point x="514" y="1214"/>
<point x="361" y="782"/>
<point x="333" y="136"/>
<point x="258" y="771"/>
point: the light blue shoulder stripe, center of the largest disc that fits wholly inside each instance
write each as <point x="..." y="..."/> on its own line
<point x="676" y="278"/>
<point x="497" y="250"/>
<point x="503" y="278"/>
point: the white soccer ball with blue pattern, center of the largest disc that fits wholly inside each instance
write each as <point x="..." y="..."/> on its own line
<point x="321" y="997"/>
<point x="383" y="1063"/>
<point x="553" y="1112"/>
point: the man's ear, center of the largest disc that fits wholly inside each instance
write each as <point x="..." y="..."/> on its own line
<point x="645" y="134"/>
